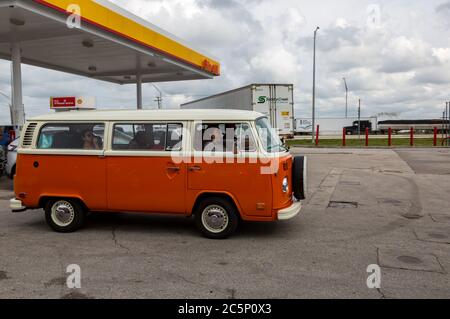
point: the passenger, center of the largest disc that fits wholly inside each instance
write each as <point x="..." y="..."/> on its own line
<point x="157" y="141"/>
<point x="90" y="142"/>
<point x="139" y="142"/>
<point x="216" y="144"/>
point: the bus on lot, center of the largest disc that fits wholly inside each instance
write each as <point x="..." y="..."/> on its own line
<point x="219" y="166"/>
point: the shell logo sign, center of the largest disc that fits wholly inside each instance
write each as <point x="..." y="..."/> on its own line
<point x="211" y="67"/>
<point x="72" y="103"/>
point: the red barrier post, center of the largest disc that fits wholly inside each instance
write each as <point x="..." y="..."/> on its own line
<point x="411" y="138"/>
<point x="435" y="136"/>
<point x="344" y="136"/>
<point x="317" y="135"/>
<point x="390" y="137"/>
<point x="367" y="136"/>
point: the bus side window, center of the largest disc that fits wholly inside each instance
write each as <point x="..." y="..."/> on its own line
<point x="174" y="137"/>
<point x="69" y="136"/>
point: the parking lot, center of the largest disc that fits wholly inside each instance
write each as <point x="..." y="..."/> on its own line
<point x="384" y="207"/>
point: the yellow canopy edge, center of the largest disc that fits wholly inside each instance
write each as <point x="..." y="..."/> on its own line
<point x="105" y="18"/>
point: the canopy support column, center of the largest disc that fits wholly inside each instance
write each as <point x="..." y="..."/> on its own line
<point x="18" y="111"/>
<point x="139" y="91"/>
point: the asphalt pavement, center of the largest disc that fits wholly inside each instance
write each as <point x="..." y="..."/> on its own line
<point x="365" y="207"/>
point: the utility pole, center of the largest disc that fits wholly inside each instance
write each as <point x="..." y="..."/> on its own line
<point x="447" y="122"/>
<point x="314" y="89"/>
<point x="443" y="122"/>
<point x="158" y="98"/>
<point x="346" y="98"/>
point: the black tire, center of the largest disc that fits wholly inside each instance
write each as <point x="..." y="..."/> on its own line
<point x="299" y="177"/>
<point x="222" y="205"/>
<point x="72" y="207"/>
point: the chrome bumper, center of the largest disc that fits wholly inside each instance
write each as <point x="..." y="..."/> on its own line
<point x="290" y="212"/>
<point x="16" y="205"/>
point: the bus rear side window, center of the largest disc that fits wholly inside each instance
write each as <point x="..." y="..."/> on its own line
<point x="72" y="136"/>
<point x="148" y="137"/>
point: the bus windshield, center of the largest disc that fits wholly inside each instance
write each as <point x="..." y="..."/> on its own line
<point x="269" y="138"/>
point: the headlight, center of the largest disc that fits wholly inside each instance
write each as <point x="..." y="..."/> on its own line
<point x="12" y="148"/>
<point x="285" y="185"/>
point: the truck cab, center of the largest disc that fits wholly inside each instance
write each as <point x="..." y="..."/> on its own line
<point x="354" y="129"/>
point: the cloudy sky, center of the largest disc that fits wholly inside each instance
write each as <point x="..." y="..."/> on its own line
<point x="395" y="55"/>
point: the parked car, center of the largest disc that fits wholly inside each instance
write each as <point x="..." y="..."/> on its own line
<point x="10" y="168"/>
<point x="220" y="166"/>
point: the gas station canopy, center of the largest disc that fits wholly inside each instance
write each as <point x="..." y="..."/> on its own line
<point x="110" y="44"/>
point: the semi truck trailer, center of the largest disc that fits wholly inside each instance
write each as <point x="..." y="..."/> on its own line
<point x="274" y="100"/>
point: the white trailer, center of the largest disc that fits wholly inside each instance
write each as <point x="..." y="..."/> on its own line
<point x="330" y="126"/>
<point x="274" y="100"/>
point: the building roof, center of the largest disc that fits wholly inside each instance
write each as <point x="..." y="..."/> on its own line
<point x="149" y="115"/>
<point x="111" y="44"/>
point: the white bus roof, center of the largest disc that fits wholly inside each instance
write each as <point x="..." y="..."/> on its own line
<point x="149" y="115"/>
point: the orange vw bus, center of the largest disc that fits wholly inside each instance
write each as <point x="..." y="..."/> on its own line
<point x="219" y="166"/>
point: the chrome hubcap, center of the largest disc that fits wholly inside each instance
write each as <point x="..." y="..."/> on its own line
<point x="63" y="213"/>
<point x="215" y="218"/>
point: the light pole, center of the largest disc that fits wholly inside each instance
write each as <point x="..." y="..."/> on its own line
<point x="346" y="98"/>
<point x="314" y="89"/>
<point x="359" y="119"/>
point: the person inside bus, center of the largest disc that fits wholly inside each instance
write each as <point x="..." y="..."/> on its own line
<point x="90" y="142"/>
<point x="216" y="144"/>
<point x="157" y="141"/>
<point x="139" y="142"/>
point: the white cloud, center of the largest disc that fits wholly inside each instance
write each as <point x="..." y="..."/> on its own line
<point x="400" y="63"/>
<point x="442" y="54"/>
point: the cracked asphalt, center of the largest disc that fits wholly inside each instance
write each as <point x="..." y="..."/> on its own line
<point x="384" y="207"/>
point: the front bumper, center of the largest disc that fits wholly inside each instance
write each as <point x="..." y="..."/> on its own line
<point x="290" y="212"/>
<point x="16" y="205"/>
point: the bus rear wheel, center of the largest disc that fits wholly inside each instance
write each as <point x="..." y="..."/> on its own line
<point x="64" y="215"/>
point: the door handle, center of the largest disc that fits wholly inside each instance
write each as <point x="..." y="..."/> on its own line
<point x="195" y="168"/>
<point x="173" y="169"/>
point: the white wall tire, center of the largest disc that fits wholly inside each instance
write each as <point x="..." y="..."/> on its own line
<point x="216" y="218"/>
<point x="64" y="215"/>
